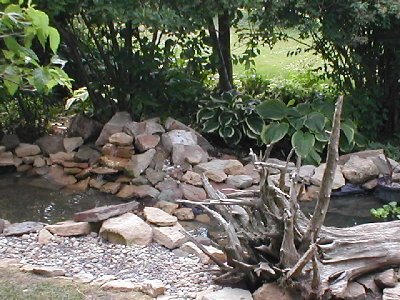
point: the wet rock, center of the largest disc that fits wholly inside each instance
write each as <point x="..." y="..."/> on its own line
<point x="110" y="187"/>
<point x="2" y="149"/>
<point x="10" y="141"/>
<point x="193" y="193"/>
<point x="139" y="163"/>
<point x="73" y="143"/>
<point x="69" y="228"/>
<point x="29" y="159"/>
<point x="22" y="228"/>
<point x="159" y="217"/>
<point x="48" y="271"/>
<point x="184" y="214"/>
<point x="87" y="154"/>
<point x="82" y="126"/>
<point x="239" y="181"/>
<point x="145" y="142"/>
<point x="192" y="178"/>
<point x="228" y="293"/>
<point x="174" y="137"/>
<point x="338" y="180"/>
<point x="272" y="291"/>
<point x="81" y="186"/>
<point x="126" y="229"/>
<point x="359" y="170"/>
<point x="114" y="125"/>
<point x="57" y="176"/>
<point x="102" y="213"/>
<point x="386" y="279"/>
<point x="118" y="151"/>
<point x="169" y="237"/>
<point x="120" y="139"/>
<point x="27" y="150"/>
<point x="51" y="144"/>
<point x="138" y="191"/>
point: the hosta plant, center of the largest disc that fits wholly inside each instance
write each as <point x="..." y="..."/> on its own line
<point x="232" y="115"/>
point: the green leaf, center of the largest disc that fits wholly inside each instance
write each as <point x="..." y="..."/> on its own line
<point x="315" y="122"/>
<point x="235" y="139"/>
<point x="272" y="109"/>
<point x="38" y="18"/>
<point x="12" y="44"/>
<point x="255" y="123"/>
<point x="226" y="132"/>
<point x="348" y="131"/>
<point x="313" y="158"/>
<point x="302" y="143"/>
<point x="225" y="118"/>
<point x="297" y="123"/>
<point x="11" y="82"/>
<point x="54" y="37"/>
<point x="322" y="136"/>
<point x="274" y="132"/>
<point x="210" y="125"/>
<point x="205" y="114"/>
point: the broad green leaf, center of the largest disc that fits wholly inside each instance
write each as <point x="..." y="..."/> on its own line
<point x="12" y="44"/>
<point x="302" y="143"/>
<point x="204" y="114"/>
<point x="348" y="131"/>
<point x="274" y="132"/>
<point x="322" y="136"/>
<point x="38" y="18"/>
<point x="304" y="108"/>
<point x="11" y="82"/>
<point x="226" y="132"/>
<point x="225" y="118"/>
<point x="235" y="139"/>
<point x="210" y="125"/>
<point x="42" y="35"/>
<point x="313" y="158"/>
<point x="272" y="109"/>
<point x="297" y="123"/>
<point x="255" y="123"/>
<point x="54" y="38"/>
<point x="249" y="133"/>
<point x="315" y="122"/>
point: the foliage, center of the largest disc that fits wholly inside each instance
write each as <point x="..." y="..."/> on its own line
<point x="390" y="148"/>
<point x="232" y="116"/>
<point x="387" y="212"/>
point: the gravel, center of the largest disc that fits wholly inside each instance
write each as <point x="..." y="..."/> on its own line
<point x="90" y="258"/>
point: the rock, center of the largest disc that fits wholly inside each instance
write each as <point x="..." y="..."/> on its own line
<point x="203" y="218"/>
<point x="73" y="143"/>
<point x="166" y="206"/>
<point x="147" y="127"/>
<point x="6" y="159"/>
<point x="114" y="125"/>
<point x="367" y="281"/>
<point x="216" y="175"/>
<point x="127" y="229"/>
<point x="354" y="291"/>
<point x="193" y="193"/>
<point x="392" y="293"/>
<point x="338" y="180"/>
<point x="154" y="176"/>
<point x="170" y="237"/>
<point x="222" y="187"/>
<point x="191" y="248"/>
<point x="102" y="213"/>
<point x="172" y="124"/>
<point x="384" y="165"/>
<point x="81" y="186"/>
<point x="120" y="139"/>
<point x="311" y="193"/>
<point x="82" y="126"/>
<point x="160" y="159"/>
<point x="140" y="180"/>
<point x="139" y="192"/>
<point x="10" y="141"/>
<point x="22" y="228"/>
<point x="51" y="144"/>
<point x="228" y="293"/>
<point x="110" y="187"/>
<point x="250" y="170"/>
<point x="83" y="174"/>
<point x="44" y="237"/>
<point x="192" y="178"/>
<point x="61" y="156"/>
<point x="26" y="150"/>
<point x="114" y="162"/>
<point x="159" y="217"/>
<point x="220" y="165"/>
<point x="188" y="154"/>
<point x="272" y="291"/>
<point x="118" y="151"/>
<point x="29" y="159"/>
<point x="69" y="228"/>
<point x="153" y="287"/>
<point x="145" y="142"/>
<point x="72" y="171"/>
<point x="2" y="149"/>
<point x="2" y="225"/>
<point x="362" y="154"/>
<point x="184" y="214"/>
<point x="39" y="162"/>
<point x="48" y="271"/>
<point x="21" y="168"/>
<point x="240" y="181"/>
<point x="174" y="137"/>
<point x="359" y="170"/>
<point x="121" y="285"/>
<point x="57" y="176"/>
<point x="306" y="172"/>
<point x="103" y="171"/>
<point x="386" y="279"/>
<point x="87" y="154"/>
<point x="139" y="163"/>
<point x="83" y="277"/>
<point x="96" y="183"/>
<point x="103" y="279"/>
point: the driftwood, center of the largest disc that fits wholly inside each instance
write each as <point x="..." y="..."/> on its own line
<point x="270" y="239"/>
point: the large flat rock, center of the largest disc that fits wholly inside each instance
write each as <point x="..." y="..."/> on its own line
<point x="102" y="213"/>
<point x="22" y="228"/>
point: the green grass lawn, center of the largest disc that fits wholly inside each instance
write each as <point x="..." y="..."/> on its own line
<point x="275" y="62"/>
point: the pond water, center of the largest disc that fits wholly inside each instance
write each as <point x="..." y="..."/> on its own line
<point x="34" y="199"/>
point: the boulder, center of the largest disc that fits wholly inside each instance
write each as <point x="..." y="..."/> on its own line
<point x="386" y="279"/>
<point x="392" y="293"/>
<point x="102" y="213"/>
<point x="153" y="287"/>
<point x="103" y="171"/>
<point x="114" y="125"/>
<point x="184" y="214"/>
<point x="39" y="162"/>
<point x="272" y="291"/>
<point x="147" y="127"/>
<point x="82" y="126"/>
<point x="110" y="187"/>
<point x="384" y="165"/>
<point x="72" y="143"/>
<point x="121" y="285"/>
<point x="138" y="191"/>
<point x="160" y="159"/>
<point x="192" y="178"/>
<point x="170" y="237"/>
<point x="81" y="186"/>
<point x="188" y="154"/>
<point x="48" y="271"/>
<point x="354" y="291"/>
<point x="338" y="180"/>
<point x="26" y="150"/>
<point x="96" y="183"/>
<point x="174" y="137"/>
<point x="166" y="206"/>
<point x="358" y="170"/>
<point x="87" y="154"/>
<point x="69" y="228"/>
<point x="120" y="139"/>
<point x="239" y="181"/>
<point x="228" y="293"/>
<point x="51" y="144"/>
<point x="159" y="217"/>
<point x="229" y="166"/>
<point x="22" y="228"/>
<point x="126" y="229"/>
<point x="362" y="154"/>
<point x="306" y="172"/>
<point x="6" y="159"/>
<point x="193" y="193"/>
<point x="145" y="142"/>
<point x="139" y="163"/>
<point x="57" y="176"/>
<point x="114" y="162"/>
<point x="10" y="141"/>
<point x="118" y="151"/>
<point x="61" y="156"/>
<point x="154" y="176"/>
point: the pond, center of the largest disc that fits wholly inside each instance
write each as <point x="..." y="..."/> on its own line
<point x="35" y="199"/>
